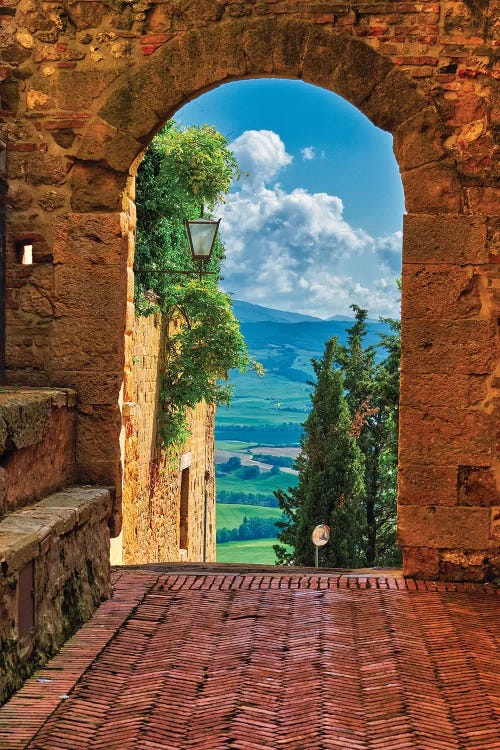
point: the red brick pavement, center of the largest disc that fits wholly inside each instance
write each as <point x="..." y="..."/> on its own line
<point x="267" y="661"/>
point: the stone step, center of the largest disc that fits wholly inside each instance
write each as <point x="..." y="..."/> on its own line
<point x="26" y="533"/>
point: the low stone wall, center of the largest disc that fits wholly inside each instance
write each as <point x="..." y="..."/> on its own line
<point x="54" y="558"/>
<point x="36" y="444"/>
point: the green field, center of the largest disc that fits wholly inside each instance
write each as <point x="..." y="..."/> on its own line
<point x="264" y="484"/>
<point x="233" y="445"/>
<point x="285" y="435"/>
<point x="271" y="400"/>
<point x="231" y="516"/>
<point x="257" y="551"/>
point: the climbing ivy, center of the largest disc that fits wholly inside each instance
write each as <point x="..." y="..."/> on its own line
<point x="184" y="174"/>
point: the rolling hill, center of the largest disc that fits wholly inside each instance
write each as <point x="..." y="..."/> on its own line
<point x="249" y="313"/>
<point x="274" y="407"/>
<point x="306" y="336"/>
<point x="268" y="413"/>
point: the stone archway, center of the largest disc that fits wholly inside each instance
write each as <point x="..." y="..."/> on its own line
<point x="86" y="91"/>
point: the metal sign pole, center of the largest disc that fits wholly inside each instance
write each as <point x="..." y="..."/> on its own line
<point x="316" y="557"/>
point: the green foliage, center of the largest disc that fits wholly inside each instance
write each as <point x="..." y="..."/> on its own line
<point x="255" y="527"/>
<point x="232" y="464"/>
<point x="266" y="458"/>
<point x="360" y="397"/>
<point x="184" y="174"/>
<point x="225" y="497"/>
<point x="330" y="485"/>
<point x="249" y="472"/>
<point x="231" y="516"/>
<point x="373" y="397"/>
<point x="199" y="357"/>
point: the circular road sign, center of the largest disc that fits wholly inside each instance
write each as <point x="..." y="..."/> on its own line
<point x="321" y="535"/>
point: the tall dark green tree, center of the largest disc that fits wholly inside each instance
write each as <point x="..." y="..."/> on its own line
<point x="330" y="488"/>
<point x="387" y="393"/>
<point x="373" y="395"/>
<point x="358" y="394"/>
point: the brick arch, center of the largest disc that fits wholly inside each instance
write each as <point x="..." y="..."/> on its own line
<point x="449" y="478"/>
<point x="142" y="99"/>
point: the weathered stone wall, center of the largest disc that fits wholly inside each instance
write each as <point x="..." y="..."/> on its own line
<point x="37" y="452"/>
<point x="61" y="541"/>
<point x="152" y="486"/>
<point x="86" y="84"/>
<point x="64" y="540"/>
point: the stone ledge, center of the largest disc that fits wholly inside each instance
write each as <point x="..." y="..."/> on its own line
<point x="25" y="533"/>
<point x="25" y="414"/>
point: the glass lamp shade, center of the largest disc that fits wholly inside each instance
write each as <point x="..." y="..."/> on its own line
<point x="201" y="235"/>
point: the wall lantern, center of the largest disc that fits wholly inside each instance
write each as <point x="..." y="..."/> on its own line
<point x="201" y="234"/>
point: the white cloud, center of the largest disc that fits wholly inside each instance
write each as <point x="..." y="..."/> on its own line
<point x="295" y="250"/>
<point x="261" y="154"/>
<point x="389" y="251"/>
<point x="308" y="153"/>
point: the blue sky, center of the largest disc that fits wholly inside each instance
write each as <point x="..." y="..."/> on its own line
<point x="317" y="223"/>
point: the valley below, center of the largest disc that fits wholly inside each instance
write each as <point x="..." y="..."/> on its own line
<point x="258" y="436"/>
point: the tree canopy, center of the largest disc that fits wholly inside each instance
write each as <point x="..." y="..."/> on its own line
<point x="330" y="469"/>
<point x="372" y="390"/>
<point x="348" y="460"/>
<point x="184" y="174"/>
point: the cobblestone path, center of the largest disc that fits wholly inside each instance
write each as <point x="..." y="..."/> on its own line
<point x="179" y="661"/>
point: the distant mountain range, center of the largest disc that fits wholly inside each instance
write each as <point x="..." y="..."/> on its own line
<point x="266" y="329"/>
<point x="270" y="410"/>
<point x="248" y="313"/>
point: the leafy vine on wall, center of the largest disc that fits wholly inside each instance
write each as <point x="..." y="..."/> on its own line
<point x="185" y="173"/>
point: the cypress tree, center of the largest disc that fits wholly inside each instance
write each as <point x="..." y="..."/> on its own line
<point x="372" y="392"/>
<point x="331" y="487"/>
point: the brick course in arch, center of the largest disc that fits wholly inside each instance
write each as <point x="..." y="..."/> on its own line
<point x="86" y="84"/>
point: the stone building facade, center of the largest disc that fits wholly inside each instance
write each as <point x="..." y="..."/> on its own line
<point x="168" y="498"/>
<point x="85" y="84"/>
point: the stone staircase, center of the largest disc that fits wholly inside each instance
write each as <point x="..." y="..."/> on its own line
<point x="54" y="536"/>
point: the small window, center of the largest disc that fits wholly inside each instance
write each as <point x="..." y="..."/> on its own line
<point x="24" y="252"/>
<point x="27" y="255"/>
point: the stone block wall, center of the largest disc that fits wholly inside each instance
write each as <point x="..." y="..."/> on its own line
<point x="84" y="86"/>
<point x="54" y="542"/>
<point x="54" y="558"/>
<point x="153" y="481"/>
<point x="37" y="447"/>
<point x="449" y="477"/>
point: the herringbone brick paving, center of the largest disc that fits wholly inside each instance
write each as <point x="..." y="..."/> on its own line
<point x="267" y="661"/>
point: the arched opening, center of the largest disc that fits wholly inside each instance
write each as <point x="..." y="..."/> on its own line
<point x="449" y="331"/>
<point x="318" y="177"/>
